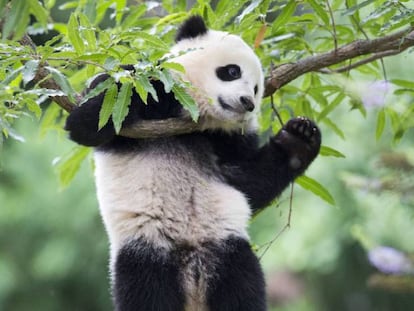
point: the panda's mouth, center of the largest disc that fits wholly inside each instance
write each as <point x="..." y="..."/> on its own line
<point x="240" y="107"/>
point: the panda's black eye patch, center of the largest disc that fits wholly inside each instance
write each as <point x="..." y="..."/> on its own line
<point x="229" y="72"/>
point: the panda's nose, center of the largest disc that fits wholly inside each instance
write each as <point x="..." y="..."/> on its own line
<point x="247" y="103"/>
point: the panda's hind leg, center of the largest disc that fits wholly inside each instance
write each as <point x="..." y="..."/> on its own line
<point x="238" y="284"/>
<point x="146" y="278"/>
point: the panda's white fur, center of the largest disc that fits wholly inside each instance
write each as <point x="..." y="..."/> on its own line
<point x="160" y="196"/>
<point x="200" y="56"/>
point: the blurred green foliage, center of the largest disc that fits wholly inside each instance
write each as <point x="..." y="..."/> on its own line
<point x="53" y="248"/>
<point x="53" y="253"/>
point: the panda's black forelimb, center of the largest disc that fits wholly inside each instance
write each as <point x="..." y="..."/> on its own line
<point x="262" y="173"/>
<point x="83" y="121"/>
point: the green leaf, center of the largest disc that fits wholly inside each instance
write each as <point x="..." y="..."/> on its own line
<point x="16" y="19"/>
<point x="166" y="79"/>
<point x="120" y="9"/>
<point x="320" y="11"/>
<point x="133" y="16"/>
<point x="380" y="124"/>
<point x="69" y="165"/>
<point x="152" y="40"/>
<point x="29" y="70"/>
<point x="357" y="7"/>
<point x="121" y="107"/>
<point x="403" y="83"/>
<point x="186" y="101"/>
<point x="33" y="106"/>
<point x="63" y="82"/>
<point x="330" y="152"/>
<point x="74" y="36"/>
<point x="143" y="94"/>
<point x="38" y="11"/>
<point x="316" y="188"/>
<point x="12" y="76"/>
<point x="107" y="105"/>
<point x="87" y="31"/>
<point x="173" y="66"/>
<point x="143" y="86"/>
<point x="101" y="87"/>
<point x="254" y="4"/>
<point x="328" y="109"/>
<point x="284" y="15"/>
<point x="49" y="119"/>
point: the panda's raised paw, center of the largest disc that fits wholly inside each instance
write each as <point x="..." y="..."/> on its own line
<point x="304" y="129"/>
<point x="300" y="138"/>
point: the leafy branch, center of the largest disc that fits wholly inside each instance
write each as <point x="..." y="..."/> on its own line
<point x="89" y="50"/>
<point x="279" y="76"/>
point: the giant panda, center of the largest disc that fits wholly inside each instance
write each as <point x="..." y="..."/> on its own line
<point x="176" y="209"/>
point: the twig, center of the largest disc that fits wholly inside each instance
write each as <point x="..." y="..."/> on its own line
<point x="333" y="24"/>
<point x="284" y="228"/>
<point x="360" y="63"/>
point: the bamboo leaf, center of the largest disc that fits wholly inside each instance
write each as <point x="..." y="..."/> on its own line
<point x="16" y="19"/>
<point x="152" y="40"/>
<point x="166" y="79"/>
<point x="38" y="11"/>
<point x="173" y="66"/>
<point x="316" y="188"/>
<point x="330" y="152"/>
<point x="101" y="87"/>
<point x="143" y="86"/>
<point x="320" y="11"/>
<point x="284" y="15"/>
<point x="29" y="70"/>
<point x="63" y="82"/>
<point x="328" y="109"/>
<point x="107" y="105"/>
<point x="74" y="36"/>
<point x="69" y="165"/>
<point x="403" y="83"/>
<point x="12" y="76"/>
<point x="87" y="31"/>
<point x="121" y="106"/>
<point x="186" y="101"/>
<point x="357" y="7"/>
<point x="254" y="4"/>
<point x="380" y="124"/>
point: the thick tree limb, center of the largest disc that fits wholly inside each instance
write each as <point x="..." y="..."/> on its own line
<point x="376" y="48"/>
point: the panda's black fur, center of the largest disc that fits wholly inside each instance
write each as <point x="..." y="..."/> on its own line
<point x="176" y="209"/>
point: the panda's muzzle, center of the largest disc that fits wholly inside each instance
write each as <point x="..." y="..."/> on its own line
<point x="247" y="103"/>
<point x="244" y="104"/>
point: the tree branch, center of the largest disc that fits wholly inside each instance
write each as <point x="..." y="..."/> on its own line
<point x="385" y="46"/>
<point x="285" y="73"/>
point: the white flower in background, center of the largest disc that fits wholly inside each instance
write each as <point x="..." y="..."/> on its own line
<point x="374" y="94"/>
<point x="371" y="94"/>
<point x="389" y="260"/>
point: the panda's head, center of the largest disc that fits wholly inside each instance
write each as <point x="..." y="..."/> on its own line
<point x="225" y="72"/>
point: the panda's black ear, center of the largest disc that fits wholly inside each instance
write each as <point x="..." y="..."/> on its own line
<point x="191" y="28"/>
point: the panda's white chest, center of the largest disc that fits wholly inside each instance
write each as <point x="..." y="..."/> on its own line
<point x="167" y="199"/>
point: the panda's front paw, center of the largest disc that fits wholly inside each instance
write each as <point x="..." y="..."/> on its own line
<point x="301" y="139"/>
<point x="305" y="129"/>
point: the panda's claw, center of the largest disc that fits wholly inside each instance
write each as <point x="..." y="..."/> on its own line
<point x="303" y="128"/>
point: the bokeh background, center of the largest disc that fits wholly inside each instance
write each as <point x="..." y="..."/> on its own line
<point x="356" y="255"/>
